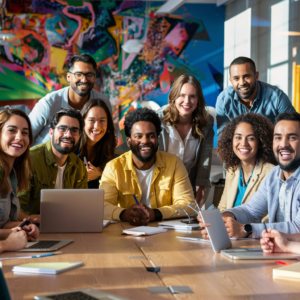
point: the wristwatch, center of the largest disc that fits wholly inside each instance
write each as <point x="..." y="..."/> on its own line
<point x="248" y="229"/>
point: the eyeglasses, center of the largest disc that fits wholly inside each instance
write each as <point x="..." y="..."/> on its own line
<point x="79" y="75"/>
<point x="64" y="129"/>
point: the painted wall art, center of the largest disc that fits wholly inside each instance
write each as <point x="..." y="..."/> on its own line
<point x="48" y="32"/>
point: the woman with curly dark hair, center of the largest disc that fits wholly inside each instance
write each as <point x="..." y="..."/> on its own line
<point x="245" y="147"/>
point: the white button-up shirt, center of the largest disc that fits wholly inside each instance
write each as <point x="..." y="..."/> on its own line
<point x="184" y="149"/>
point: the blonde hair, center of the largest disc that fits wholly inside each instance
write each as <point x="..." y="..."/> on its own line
<point x="22" y="164"/>
<point x="199" y="115"/>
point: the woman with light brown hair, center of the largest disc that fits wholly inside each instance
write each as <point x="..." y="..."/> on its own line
<point x="15" y="171"/>
<point x="187" y="131"/>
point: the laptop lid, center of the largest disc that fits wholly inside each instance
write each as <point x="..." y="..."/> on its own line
<point x="66" y="210"/>
<point x="217" y="232"/>
<point x="256" y="253"/>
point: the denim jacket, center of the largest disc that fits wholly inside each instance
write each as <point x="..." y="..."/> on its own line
<point x="45" y="173"/>
<point x="10" y="205"/>
<point x="48" y="106"/>
<point x="270" y="102"/>
<point x="266" y="200"/>
<point x="199" y="173"/>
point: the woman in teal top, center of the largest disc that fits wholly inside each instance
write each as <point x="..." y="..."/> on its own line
<point x="245" y="147"/>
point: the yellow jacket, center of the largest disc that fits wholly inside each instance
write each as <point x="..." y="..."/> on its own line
<point x="170" y="190"/>
<point x="232" y="181"/>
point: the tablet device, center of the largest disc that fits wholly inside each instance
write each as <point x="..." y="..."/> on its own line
<point x="256" y="253"/>
<point x="217" y="232"/>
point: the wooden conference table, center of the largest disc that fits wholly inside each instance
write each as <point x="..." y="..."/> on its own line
<point x="109" y="265"/>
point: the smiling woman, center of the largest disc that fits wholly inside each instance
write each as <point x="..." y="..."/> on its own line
<point x="187" y="131"/>
<point x="245" y="147"/>
<point x="98" y="140"/>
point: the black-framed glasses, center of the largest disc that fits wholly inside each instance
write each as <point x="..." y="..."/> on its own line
<point x="88" y="76"/>
<point x="64" y="129"/>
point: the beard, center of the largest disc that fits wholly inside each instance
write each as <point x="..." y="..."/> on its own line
<point x="75" y="89"/>
<point x="141" y="158"/>
<point x="249" y="93"/>
<point x="61" y="149"/>
<point x="293" y="165"/>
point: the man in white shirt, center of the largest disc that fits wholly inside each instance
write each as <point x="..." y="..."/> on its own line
<point x="81" y="75"/>
<point x="54" y="164"/>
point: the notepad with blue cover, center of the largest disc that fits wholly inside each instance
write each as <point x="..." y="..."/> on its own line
<point x="47" y="268"/>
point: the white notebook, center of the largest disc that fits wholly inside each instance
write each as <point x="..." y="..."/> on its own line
<point x="144" y="230"/>
<point x="47" y="268"/>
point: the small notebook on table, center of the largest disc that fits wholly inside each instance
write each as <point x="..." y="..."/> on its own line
<point x="143" y="230"/>
<point x="289" y="271"/>
<point x="46" y="268"/>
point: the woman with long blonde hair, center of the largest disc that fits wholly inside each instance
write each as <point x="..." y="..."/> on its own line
<point x="187" y="131"/>
<point x="15" y="171"/>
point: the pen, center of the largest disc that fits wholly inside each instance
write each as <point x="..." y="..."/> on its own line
<point x="26" y="222"/>
<point x="137" y="203"/>
<point x="192" y="239"/>
<point x="34" y="256"/>
<point x="85" y="162"/>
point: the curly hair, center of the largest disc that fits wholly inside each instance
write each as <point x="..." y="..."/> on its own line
<point x="142" y="114"/>
<point x="199" y="115"/>
<point x="263" y="129"/>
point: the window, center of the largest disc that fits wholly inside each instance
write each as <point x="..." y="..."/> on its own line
<point x="237" y="37"/>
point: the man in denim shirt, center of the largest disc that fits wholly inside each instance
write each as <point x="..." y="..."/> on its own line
<point x="248" y="94"/>
<point x="81" y="75"/>
<point x="279" y="194"/>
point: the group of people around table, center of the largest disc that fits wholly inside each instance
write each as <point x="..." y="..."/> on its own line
<point x="68" y="142"/>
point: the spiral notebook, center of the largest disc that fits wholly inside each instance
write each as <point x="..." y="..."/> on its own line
<point x="47" y="268"/>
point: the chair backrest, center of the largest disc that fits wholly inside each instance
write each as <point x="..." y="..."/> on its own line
<point x="149" y="104"/>
<point x="212" y="111"/>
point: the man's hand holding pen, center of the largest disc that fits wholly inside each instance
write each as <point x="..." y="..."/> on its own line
<point x="138" y="215"/>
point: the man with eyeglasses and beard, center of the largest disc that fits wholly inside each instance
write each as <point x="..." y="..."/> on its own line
<point x="279" y="194"/>
<point x="158" y="180"/>
<point x="248" y="94"/>
<point x="81" y="75"/>
<point x="54" y="165"/>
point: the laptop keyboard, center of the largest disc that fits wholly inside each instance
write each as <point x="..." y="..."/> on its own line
<point x="73" y="296"/>
<point x="43" y="245"/>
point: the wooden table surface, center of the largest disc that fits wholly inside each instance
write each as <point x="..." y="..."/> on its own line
<point x="108" y="266"/>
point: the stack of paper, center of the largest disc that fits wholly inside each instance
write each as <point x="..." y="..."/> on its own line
<point x="47" y="268"/>
<point x="143" y="230"/>
<point x="177" y="225"/>
<point x="289" y="271"/>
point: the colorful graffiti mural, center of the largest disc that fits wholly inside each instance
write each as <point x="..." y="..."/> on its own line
<point x="48" y="32"/>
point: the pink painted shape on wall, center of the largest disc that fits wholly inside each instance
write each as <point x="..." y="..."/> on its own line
<point x="164" y="80"/>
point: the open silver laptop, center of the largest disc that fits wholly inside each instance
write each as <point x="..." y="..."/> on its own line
<point x="45" y="245"/>
<point x="83" y="294"/>
<point x="66" y="210"/>
<point x="217" y="232"/>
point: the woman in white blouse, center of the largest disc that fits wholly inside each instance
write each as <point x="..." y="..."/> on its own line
<point x="187" y="131"/>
